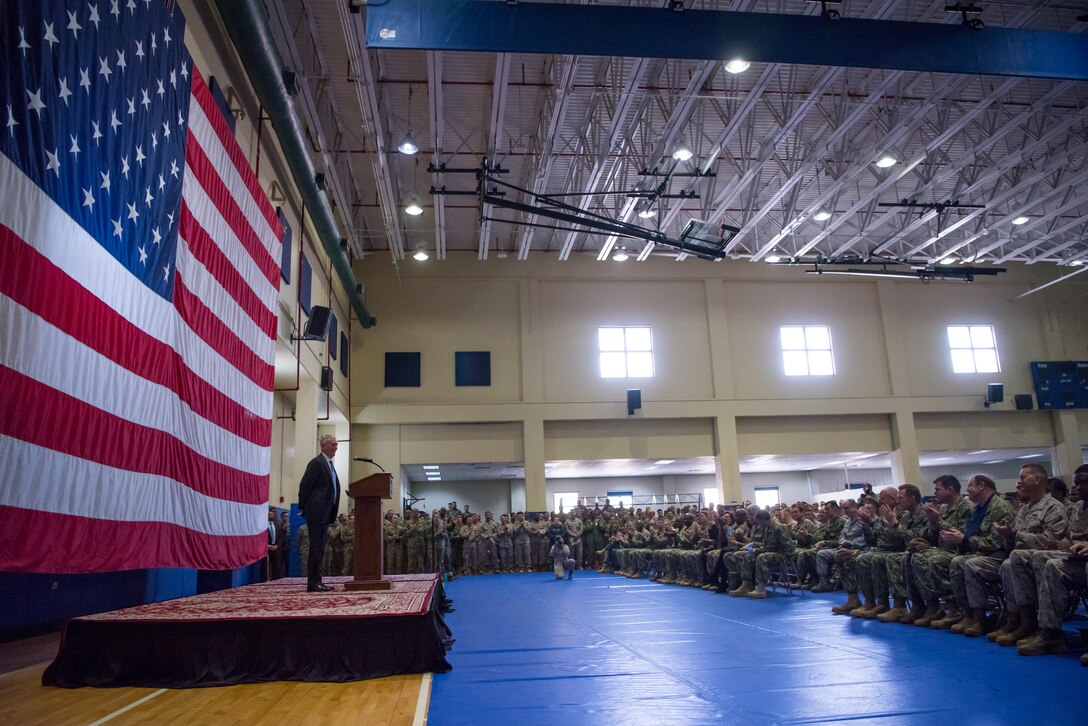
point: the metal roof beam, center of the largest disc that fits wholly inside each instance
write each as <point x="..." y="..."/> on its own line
<point x="494" y="139"/>
<point x="532" y="27"/>
<point x="436" y="103"/>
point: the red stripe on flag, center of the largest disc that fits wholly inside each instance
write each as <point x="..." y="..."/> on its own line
<point x="82" y="544"/>
<point x="197" y="164"/>
<point x="225" y="273"/>
<point x="222" y="339"/>
<point x="203" y="95"/>
<point x="34" y="282"/>
<point x="54" y="420"/>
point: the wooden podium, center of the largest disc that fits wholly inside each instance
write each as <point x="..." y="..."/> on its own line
<point x="368" y="494"/>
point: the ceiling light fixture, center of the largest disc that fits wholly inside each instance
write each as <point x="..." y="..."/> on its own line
<point x="408" y="146"/>
<point x="413" y="207"/>
<point x="886" y="161"/>
<point x="948" y="261"/>
<point x="420" y="255"/>
<point x="620" y="255"/>
<point x="737" y="65"/>
<point x="773" y="259"/>
<point x="646" y="212"/>
<point x="1020" y="220"/>
<point x="682" y="152"/>
<point x="430" y="466"/>
<point x="662" y="462"/>
<point x="1076" y="263"/>
<point x="822" y="216"/>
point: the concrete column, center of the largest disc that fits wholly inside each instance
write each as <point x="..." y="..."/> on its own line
<point x="1066" y="456"/>
<point x="382" y="444"/>
<point x="727" y="459"/>
<point x="894" y="347"/>
<point x="306" y="400"/>
<point x="718" y="332"/>
<point x="532" y="354"/>
<point x="904" y="458"/>
<point x="536" y="487"/>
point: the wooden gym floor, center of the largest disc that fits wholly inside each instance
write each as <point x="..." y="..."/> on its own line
<point x="395" y="700"/>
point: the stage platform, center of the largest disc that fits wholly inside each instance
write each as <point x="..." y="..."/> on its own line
<point x="274" y="631"/>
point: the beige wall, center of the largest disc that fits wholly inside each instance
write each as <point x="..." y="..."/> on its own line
<point x="717" y="359"/>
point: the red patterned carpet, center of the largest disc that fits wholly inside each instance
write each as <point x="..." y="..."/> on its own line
<point x="287" y="598"/>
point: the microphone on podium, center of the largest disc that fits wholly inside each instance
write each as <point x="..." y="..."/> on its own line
<point x="369" y="461"/>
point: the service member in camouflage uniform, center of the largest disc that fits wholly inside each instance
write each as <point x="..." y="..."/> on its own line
<point x="506" y="544"/>
<point x="347" y="536"/>
<point x="930" y="578"/>
<point x="828" y="528"/>
<point x="523" y="556"/>
<point x="776" y="547"/>
<point x="910" y="525"/>
<point x="442" y="551"/>
<point x="1057" y="572"/>
<point x="304" y="548"/>
<point x="1040" y="520"/>
<point x="538" y="538"/>
<point x="1018" y="574"/>
<point x="574" y="529"/>
<point x="872" y="566"/>
<point x="741" y="561"/>
<point x="852" y="542"/>
<point x="470" y="533"/>
<point x="487" y="548"/>
<point x="1058" y="576"/>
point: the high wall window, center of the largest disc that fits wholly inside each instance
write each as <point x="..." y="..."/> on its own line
<point x="626" y="352"/>
<point x="974" y="349"/>
<point x="564" y="501"/>
<point x="806" y="350"/>
<point x="766" y="497"/>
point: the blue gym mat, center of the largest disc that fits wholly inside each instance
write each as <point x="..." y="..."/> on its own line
<point x="604" y="649"/>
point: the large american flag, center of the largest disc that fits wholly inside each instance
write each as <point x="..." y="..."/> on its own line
<point x="139" y="271"/>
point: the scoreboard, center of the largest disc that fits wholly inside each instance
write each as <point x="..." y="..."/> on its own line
<point x="1060" y="384"/>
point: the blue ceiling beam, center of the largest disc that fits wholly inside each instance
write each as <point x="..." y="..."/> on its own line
<point x="609" y="30"/>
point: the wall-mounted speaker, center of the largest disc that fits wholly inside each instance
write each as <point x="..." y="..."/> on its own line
<point x="1023" y="402"/>
<point x="995" y="393"/>
<point x="317" y="326"/>
<point x="634" y="400"/>
<point x="326" y="378"/>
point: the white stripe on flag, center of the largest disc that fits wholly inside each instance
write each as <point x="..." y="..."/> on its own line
<point x="33" y="347"/>
<point x="208" y="217"/>
<point x="206" y="138"/>
<point x="201" y="283"/>
<point x="49" y="481"/>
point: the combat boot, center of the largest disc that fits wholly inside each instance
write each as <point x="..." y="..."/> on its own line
<point x="964" y="623"/>
<point x="917" y="611"/>
<point x="870" y="604"/>
<point x="1027" y="630"/>
<point x="824" y="585"/>
<point x="897" y="613"/>
<point x="1012" y="622"/>
<point x="932" y="612"/>
<point x="880" y="609"/>
<point x="742" y="591"/>
<point x="853" y="602"/>
<point x="978" y="623"/>
<point x="759" y="592"/>
<point x="952" y="615"/>
<point x="1048" y="642"/>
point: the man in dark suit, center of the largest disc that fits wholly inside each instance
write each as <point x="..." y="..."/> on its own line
<point x="319" y="501"/>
